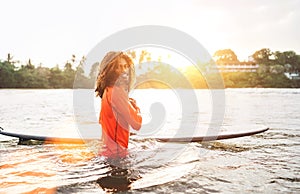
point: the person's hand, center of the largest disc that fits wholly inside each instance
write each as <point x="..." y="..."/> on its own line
<point x="133" y="103"/>
<point x="131" y="100"/>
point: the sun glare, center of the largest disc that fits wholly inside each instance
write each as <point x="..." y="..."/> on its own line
<point x="166" y="61"/>
<point x="161" y="55"/>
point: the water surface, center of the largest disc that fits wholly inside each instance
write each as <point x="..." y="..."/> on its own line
<point x="267" y="162"/>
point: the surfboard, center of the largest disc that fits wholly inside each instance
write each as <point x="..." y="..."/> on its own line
<point x="206" y="137"/>
<point x="199" y="138"/>
<point x="44" y="139"/>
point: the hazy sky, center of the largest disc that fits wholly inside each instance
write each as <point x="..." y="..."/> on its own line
<point x="50" y="31"/>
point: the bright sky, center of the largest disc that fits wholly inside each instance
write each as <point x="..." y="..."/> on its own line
<point x="50" y="31"/>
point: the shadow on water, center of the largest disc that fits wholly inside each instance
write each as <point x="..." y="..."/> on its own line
<point x="118" y="179"/>
<point x="113" y="179"/>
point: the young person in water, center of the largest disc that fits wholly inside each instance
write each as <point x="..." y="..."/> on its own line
<point x="118" y="111"/>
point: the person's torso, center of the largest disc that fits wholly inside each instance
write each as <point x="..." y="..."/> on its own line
<point x="115" y="129"/>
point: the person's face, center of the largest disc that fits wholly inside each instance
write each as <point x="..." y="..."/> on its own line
<point x="122" y="71"/>
<point x="123" y="66"/>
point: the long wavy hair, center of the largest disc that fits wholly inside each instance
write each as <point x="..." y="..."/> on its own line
<point x="108" y="74"/>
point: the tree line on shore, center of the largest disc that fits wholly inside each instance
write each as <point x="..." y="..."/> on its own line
<point x="30" y="76"/>
<point x="271" y="72"/>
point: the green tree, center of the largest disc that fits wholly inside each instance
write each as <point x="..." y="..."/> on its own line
<point x="81" y="81"/>
<point x="289" y="59"/>
<point x="262" y="56"/>
<point x="68" y="75"/>
<point x="292" y="59"/>
<point x="93" y="73"/>
<point x="56" y="75"/>
<point x="7" y="78"/>
<point x="27" y="77"/>
<point x="280" y="58"/>
<point x="297" y="66"/>
<point x="29" y="65"/>
<point x="43" y="74"/>
<point x="7" y="72"/>
<point x="277" y="69"/>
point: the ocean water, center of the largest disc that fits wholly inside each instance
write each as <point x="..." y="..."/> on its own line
<point x="266" y="163"/>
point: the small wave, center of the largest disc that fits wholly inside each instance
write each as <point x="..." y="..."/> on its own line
<point x="294" y="179"/>
<point x="224" y="147"/>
